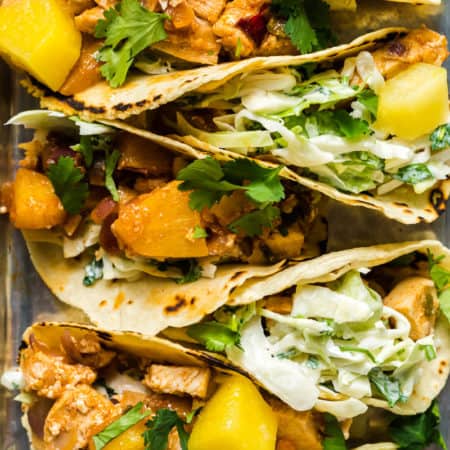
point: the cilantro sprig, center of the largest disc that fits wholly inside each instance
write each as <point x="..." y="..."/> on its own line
<point x="307" y="23"/>
<point x="68" y="181"/>
<point x="419" y="431"/>
<point x="156" y="437"/>
<point x="209" y="182"/>
<point x="128" y="29"/>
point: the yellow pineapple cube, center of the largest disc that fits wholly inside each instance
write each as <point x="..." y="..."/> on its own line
<point x="40" y="37"/>
<point x="414" y="102"/>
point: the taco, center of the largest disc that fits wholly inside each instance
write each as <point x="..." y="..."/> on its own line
<point x="342" y="332"/>
<point x="103" y="39"/>
<point x="369" y="130"/>
<point x="346" y="121"/>
<point x="113" y="220"/>
<point x="85" y="388"/>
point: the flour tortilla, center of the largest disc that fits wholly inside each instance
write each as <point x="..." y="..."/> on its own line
<point x="332" y="266"/>
<point x="143" y="92"/>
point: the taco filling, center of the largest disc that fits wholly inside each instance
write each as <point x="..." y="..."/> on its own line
<point x="368" y="337"/>
<point x="85" y="389"/>
<point x="374" y="123"/>
<point x="137" y="208"/>
<point x="104" y="39"/>
<point x="79" y="392"/>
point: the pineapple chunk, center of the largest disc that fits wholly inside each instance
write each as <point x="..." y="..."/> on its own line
<point x="34" y="204"/>
<point x="160" y="225"/>
<point x="39" y="36"/>
<point x="236" y="417"/>
<point x="414" y="102"/>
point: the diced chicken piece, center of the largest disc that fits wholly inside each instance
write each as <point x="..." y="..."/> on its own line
<point x="106" y="4"/>
<point x="78" y="6"/>
<point x="49" y="375"/>
<point x="209" y="10"/>
<point x="143" y="156"/>
<point x="280" y="304"/>
<point x="299" y="428"/>
<point x="233" y="37"/>
<point x="421" y="45"/>
<point x="180" y="13"/>
<point x="76" y="416"/>
<point x="415" y="298"/>
<point x="288" y="246"/>
<point x="223" y="244"/>
<point x="196" y="44"/>
<point x="86" y="350"/>
<point x="154" y="401"/>
<point x="178" y="380"/>
<point x="230" y="208"/>
<point x="275" y="45"/>
<point x="87" y="20"/>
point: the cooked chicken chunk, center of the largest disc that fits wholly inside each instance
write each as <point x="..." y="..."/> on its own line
<point x="50" y="375"/>
<point x="76" y="416"/>
<point x="196" y="43"/>
<point x="286" y="246"/>
<point x="275" y="45"/>
<point x="86" y="350"/>
<point x="77" y="6"/>
<point x="88" y="19"/>
<point x="421" y="45"/>
<point x="178" y="380"/>
<point x="153" y="401"/>
<point x="296" y="430"/>
<point x="415" y="298"/>
<point x="209" y="10"/>
<point x="227" y="25"/>
<point x="280" y="304"/>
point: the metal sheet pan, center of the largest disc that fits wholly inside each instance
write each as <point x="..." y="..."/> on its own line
<point x="25" y="299"/>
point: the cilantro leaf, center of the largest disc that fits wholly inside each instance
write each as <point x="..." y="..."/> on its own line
<point x="66" y="179"/>
<point x="215" y="336"/>
<point x="439" y="275"/>
<point x="370" y="100"/>
<point x="111" y="160"/>
<point x="350" y="127"/>
<point x="199" y="233"/>
<point x="93" y="272"/>
<point x="388" y="387"/>
<point x="123" y="423"/>
<point x="129" y="28"/>
<point x="440" y="138"/>
<point x="414" y="173"/>
<point x="265" y="184"/>
<point x="419" y="431"/>
<point x="308" y="23"/>
<point x="334" y="438"/>
<point x="253" y="223"/>
<point x="156" y="437"/>
<point x="209" y="182"/>
<point x="192" y="271"/>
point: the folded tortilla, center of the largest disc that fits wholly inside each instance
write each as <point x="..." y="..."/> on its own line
<point x="284" y="342"/>
<point x="127" y="280"/>
<point x="93" y="377"/>
<point x="145" y="92"/>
